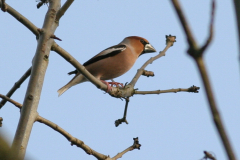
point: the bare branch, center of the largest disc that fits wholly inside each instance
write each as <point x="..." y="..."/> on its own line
<point x="21" y="19"/>
<point x="237" y="12"/>
<point x="197" y="53"/>
<point x="68" y="57"/>
<point x="208" y="156"/>
<point x="73" y="140"/>
<point x="124" y="119"/>
<point x="191" y="41"/>
<point x="16" y="86"/>
<point x="210" y="37"/>
<point x="18" y="105"/>
<point x="63" y="9"/>
<point x="169" y="41"/>
<point x="193" y="89"/>
<point x="135" y="145"/>
<point x="32" y="97"/>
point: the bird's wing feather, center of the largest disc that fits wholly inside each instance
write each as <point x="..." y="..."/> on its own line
<point x="109" y="52"/>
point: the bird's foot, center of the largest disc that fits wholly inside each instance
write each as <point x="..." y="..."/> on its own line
<point x="108" y="86"/>
<point x="116" y="84"/>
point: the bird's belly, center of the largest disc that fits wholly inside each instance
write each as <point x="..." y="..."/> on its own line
<point x="106" y="71"/>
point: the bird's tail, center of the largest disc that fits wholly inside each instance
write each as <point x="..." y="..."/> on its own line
<point x="76" y="80"/>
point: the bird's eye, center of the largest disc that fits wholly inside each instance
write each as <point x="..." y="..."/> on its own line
<point x="143" y="42"/>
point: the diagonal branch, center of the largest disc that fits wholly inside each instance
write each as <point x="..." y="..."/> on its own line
<point x="197" y="53"/>
<point x="74" y="140"/>
<point x="16" y="86"/>
<point x="170" y="40"/>
<point x="68" y="57"/>
<point x="135" y="145"/>
<point x="63" y="9"/>
<point x="237" y="12"/>
<point x="190" y="39"/>
<point x="21" y="19"/>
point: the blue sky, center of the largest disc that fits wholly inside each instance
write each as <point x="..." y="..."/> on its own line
<point x="169" y="126"/>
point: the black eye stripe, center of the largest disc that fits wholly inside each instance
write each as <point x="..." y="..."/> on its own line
<point x="143" y="42"/>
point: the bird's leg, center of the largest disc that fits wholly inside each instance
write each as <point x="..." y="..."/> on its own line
<point x="108" y="86"/>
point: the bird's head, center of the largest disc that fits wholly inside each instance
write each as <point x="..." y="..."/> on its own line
<point x="141" y="45"/>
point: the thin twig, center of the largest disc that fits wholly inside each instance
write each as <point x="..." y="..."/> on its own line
<point x="18" y="105"/>
<point x="16" y="86"/>
<point x="190" y="39"/>
<point x="197" y="53"/>
<point x="208" y="156"/>
<point x="135" y="145"/>
<point x="22" y="19"/>
<point x="193" y="89"/>
<point x="124" y="119"/>
<point x="63" y="9"/>
<point x="170" y="40"/>
<point x="210" y="37"/>
<point x="237" y="12"/>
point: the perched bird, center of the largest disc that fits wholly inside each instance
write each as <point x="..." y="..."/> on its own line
<point x="112" y="62"/>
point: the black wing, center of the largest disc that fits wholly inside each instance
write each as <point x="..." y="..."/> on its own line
<point x="109" y="52"/>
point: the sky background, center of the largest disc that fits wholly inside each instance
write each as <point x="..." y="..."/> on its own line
<point x="169" y="126"/>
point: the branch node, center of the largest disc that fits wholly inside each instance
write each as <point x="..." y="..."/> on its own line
<point x="148" y="73"/>
<point x="136" y="144"/>
<point x="30" y="97"/>
<point x="170" y="39"/>
<point x="193" y="89"/>
<point x="4" y="6"/>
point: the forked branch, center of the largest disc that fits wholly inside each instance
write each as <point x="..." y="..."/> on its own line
<point x="74" y="140"/>
<point x="197" y="53"/>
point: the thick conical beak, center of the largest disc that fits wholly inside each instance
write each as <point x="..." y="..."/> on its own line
<point x="149" y="48"/>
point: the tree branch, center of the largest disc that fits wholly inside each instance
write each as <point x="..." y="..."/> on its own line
<point x="124" y="119"/>
<point x="68" y="57"/>
<point x="21" y="19"/>
<point x="32" y="97"/>
<point x="135" y="145"/>
<point x="193" y="89"/>
<point x="169" y="42"/>
<point x="237" y="12"/>
<point x="197" y="53"/>
<point x="74" y="140"/>
<point x="63" y="9"/>
<point x="16" y="86"/>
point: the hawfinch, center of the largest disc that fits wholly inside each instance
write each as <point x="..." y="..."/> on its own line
<point x="112" y="62"/>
